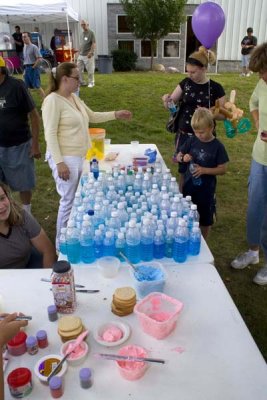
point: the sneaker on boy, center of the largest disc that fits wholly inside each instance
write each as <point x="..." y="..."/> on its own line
<point x="261" y="277"/>
<point x="245" y="259"/>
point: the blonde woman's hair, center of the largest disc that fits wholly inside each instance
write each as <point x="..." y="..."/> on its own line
<point x="202" y="119"/>
<point x="202" y="57"/>
<point x="16" y="212"/>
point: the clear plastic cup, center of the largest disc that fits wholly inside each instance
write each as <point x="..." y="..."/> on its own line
<point x="108" y="266"/>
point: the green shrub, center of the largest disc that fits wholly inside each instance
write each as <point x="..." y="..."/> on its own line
<point x="124" y="60"/>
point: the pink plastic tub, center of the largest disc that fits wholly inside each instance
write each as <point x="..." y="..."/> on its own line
<point x="157" y="314"/>
<point x="132" y="370"/>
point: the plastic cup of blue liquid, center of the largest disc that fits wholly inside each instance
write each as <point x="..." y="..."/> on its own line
<point x="148" y="277"/>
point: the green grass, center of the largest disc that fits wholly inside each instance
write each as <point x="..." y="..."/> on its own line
<point x="141" y="93"/>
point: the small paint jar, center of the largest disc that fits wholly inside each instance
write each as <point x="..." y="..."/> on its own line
<point x="20" y="382"/>
<point x="56" y="387"/>
<point x="85" y="375"/>
<point x="17" y="345"/>
<point x="42" y="339"/>
<point x="32" y="345"/>
<point x="52" y="313"/>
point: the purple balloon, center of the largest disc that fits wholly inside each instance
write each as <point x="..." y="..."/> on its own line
<point x="207" y="23"/>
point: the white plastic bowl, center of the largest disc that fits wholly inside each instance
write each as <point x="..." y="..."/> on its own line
<point x="78" y="360"/>
<point x="108" y="266"/>
<point x="40" y="365"/>
<point x="98" y="333"/>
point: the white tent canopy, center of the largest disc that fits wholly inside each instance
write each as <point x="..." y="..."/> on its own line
<point x="29" y="11"/>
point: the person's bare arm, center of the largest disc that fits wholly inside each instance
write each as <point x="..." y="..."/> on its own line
<point x="175" y="96"/>
<point x="35" y="129"/>
<point x="44" y="245"/>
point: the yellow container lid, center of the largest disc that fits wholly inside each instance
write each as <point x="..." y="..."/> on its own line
<point x="97" y="133"/>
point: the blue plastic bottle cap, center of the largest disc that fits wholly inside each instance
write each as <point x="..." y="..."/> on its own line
<point x="85" y="373"/>
<point x="55" y="382"/>
<point x="41" y="335"/>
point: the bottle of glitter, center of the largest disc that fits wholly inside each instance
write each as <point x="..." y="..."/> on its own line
<point x="32" y="345"/>
<point x="85" y="375"/>
<point x="63" y="287"/>
<point x="56" y="388"/>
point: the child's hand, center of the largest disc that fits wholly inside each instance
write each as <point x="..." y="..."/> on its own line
<point x="9" y="327"/>
<point x="187" y="158"/>
<point x="198" y="171"/>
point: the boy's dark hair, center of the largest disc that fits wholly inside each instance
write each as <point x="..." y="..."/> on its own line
<point x="250" y="30"/>
<point x="17" y="27"/>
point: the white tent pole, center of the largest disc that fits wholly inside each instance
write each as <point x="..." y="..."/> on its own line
<point x="68" y="27"/>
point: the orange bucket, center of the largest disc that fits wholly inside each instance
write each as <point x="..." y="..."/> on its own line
<point x="97" y="138"/>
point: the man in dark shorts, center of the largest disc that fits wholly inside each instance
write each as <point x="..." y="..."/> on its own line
<point x="18" y="143"/>
<point x="32" y="57"/>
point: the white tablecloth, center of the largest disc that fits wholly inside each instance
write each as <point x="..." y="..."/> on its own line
<point x="210" y="355"/>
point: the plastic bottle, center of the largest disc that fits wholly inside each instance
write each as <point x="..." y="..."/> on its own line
<point x="73" y="243"/>
<point x="63" y="241"/>
<point x="121" y="184"/>
<point x="165" y="203"/>
<point x="114" y="222"/>
<point x="109" y="244"/>
<point x="180" y="242"/>
<point x="146" y="185"/>
<point x="79" y="217"/>
<point x="196" y="181"/>
<point x="171" y="106"/>
<point x="173" y="187"/>
<point x="169" y="240"/>
<point x="111" y="194"/>
<point x="172" y="221"/>
<point x="85" y="375"/>
<point x="32" y="345"/>
<point x="192" y="216"/>
<point x="194" y="242"/>
<point x="146" y="240"/>
<point x="99" y="216"/>
<point x="159" y="245"/>
<point x="87" y="243"/>
<point x="56" y="387"/>
<point x="137" y="186"/>
<point x="41" y="337"/>
<point x="120" y="244"/>
<point x="98" y="244"/>
<point x="63" y="287"/>
<point x="94" y="168"/>
<point x="133" y="242"/>
<point x="122" y="213"/>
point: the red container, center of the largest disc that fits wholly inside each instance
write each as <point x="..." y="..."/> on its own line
<point x="17" y="345"/>
<point x="20" y="382"/>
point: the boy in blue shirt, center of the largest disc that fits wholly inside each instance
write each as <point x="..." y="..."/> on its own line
<point x="205" y="157"/>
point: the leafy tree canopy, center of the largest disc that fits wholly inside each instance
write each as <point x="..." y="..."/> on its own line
<point x="154" y="19"/>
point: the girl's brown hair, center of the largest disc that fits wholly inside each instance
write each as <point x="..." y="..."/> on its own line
<point x="16" y="213"/>
<point x="63" y="69"/>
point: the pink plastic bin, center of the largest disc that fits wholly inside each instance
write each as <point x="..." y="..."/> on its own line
<point x="157" y="314"/>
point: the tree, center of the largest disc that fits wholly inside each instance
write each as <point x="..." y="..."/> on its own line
<point x="154" y="19"/>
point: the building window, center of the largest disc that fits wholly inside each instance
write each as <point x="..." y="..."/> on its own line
<point x="126" y="45"/>
<point x="171" y="48"/>
<point x="122" y="24"/>
<point x="146" y="49"/>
